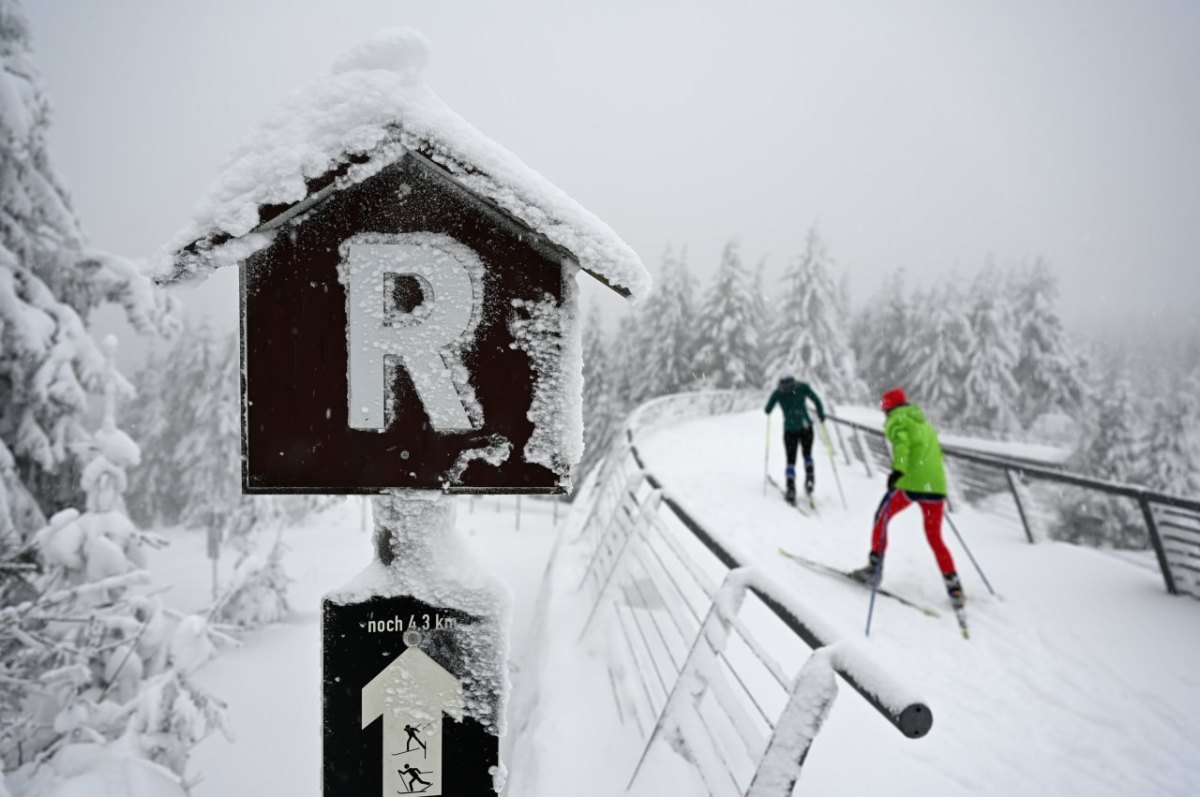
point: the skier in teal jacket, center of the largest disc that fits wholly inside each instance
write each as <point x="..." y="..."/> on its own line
<point x="793" y="397"/>
<point x="918" y="476"/>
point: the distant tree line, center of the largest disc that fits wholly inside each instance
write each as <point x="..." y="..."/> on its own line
<point x="986" y="356"/>
<point x="187" y="417"/>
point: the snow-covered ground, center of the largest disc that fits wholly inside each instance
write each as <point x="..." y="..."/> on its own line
<point x="1079" y="680"/>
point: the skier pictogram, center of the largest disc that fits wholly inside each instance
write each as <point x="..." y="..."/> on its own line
<point x="413" y="737"/>
<point x="412" y="695"/>
<point x="415" y="775"/>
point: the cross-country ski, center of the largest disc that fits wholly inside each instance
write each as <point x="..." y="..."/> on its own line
<point x="806" y="506"/>
<point x="847" y="575"/>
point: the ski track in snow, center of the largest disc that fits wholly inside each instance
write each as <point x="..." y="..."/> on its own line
<point x="1080" y="680"/>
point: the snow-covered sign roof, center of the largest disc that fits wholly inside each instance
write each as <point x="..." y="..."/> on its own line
<point x="348" y="126"/>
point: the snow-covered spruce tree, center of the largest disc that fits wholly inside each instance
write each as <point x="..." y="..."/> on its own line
<point x="90" y="701"/>
<point x="882" y="337"/>
<point x="1170" y="462"/>
<point x="49" y="280"/>
<point x="811" y="340"/>
<point x="623" y="356"/>
<point x="153" y="417"/>
<point x="209" y="449"/>
<point x="1109" y="449"/>
<point x="885" y="351"/>
<point x="97" y="673"/>
<point x="197" y="476"/>
<point x="989" y="392"/>
<point x="764" y="321"/>
<point x="1047" y="372"/>
<point x="728" y="350"/>
<point x="600" y="411"/>
<point x="941" y="340"/>
<point x="192" y="425"/>
<point x="666" y="334"/>
<point x="257" y="593"/>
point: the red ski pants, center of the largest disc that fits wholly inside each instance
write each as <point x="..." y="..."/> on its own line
<point x="931" y="510"/>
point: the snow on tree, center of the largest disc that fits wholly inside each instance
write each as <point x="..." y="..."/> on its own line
<point x="811" y="340"/>
<point x="1109" y="450"/>
<point x="89" y="691"/>
<point x="192" y="427"/>
<point x="601" y="413"/>
<point x="622" y="353"/>
<point x="49" y="280"/>
<point x="883" y="336"/>
<point x="209" y="448"/>
<point x="989" y="391"/>
<point x="1047" y="370"/>
<point x="91" y="668"/>
<point x="257" y="592"/>
<point x="173" y="389"/>
<point x="764" y="321"/>
<point x="152" y="417"/>
<point x="726" y="329"/>
<point x="1171" y="465"/>
<point x="941" y="341"/>
<point x="666" y="339"/>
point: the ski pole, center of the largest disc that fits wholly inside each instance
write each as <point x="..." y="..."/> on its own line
<point x="833" y="463"/>
<point x="970" y="556"/>
<point x="767" y="456"/>
<point x="874" y="589"/>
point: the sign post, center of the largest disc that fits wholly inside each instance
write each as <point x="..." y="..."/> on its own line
<point x="414" y="662"/>
<point x="409" y="332"/>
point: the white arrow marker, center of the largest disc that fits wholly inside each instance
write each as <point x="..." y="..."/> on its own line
<point x="412" y="694"/>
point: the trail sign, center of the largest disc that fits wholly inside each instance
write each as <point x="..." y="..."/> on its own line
<point x="395" y="718"/>
<point x="411" y="695"/>
<point x="381" y="347"/>
<point x="409" y="329"/>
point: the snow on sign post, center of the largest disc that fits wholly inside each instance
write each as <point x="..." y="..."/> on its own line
<point x="409" y="331"/>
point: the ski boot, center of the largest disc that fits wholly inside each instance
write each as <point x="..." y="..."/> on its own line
<point x="873" y="570"/>
<point x="954" y="589"/>
<point x="808" y="482"/>
<point x="790" y="494"/>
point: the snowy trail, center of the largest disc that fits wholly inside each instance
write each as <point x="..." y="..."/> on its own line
<point x="1080" y="680"/>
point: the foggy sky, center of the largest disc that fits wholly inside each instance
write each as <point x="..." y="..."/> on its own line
<point x="929" y="134"/>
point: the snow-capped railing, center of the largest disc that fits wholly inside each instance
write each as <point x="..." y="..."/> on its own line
<point x="719" y="661"/>
<point x="1171" y="524"/>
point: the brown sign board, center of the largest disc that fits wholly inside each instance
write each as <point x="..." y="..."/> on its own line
<point x="398" y="334"/>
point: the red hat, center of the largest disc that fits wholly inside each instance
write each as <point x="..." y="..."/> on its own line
<point x="893" y="399"/>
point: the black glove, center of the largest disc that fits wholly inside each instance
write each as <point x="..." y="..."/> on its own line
<point x="893" y="477"/>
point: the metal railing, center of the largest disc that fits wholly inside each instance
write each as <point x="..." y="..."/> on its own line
<point x="715" y="658"/>
<point x="1029" y="494"/>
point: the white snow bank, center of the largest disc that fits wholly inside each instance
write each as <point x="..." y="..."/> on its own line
<point x="94" y="770"/>
<point x="375" y="105"/>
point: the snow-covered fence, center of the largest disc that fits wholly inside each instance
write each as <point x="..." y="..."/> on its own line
<point x="1027" y="492"/>
<point x="710" y="656"/>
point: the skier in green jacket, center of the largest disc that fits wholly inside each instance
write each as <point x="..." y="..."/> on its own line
<point x="792" y="397"/>
<point x="918" y="475"/>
